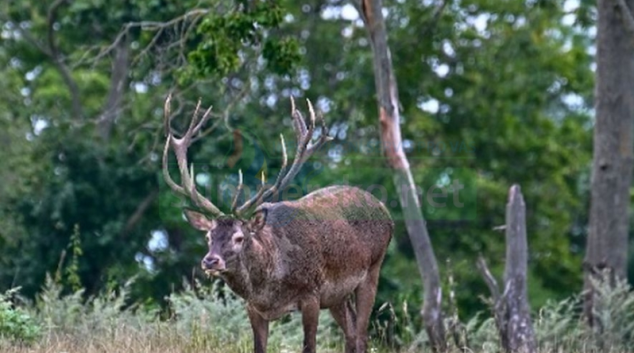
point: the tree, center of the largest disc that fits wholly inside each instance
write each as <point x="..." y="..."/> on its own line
<point x="607" y="244"/>
<point x="87" y="128"/>
<point x="485" y="102"/>
<point x="389" y="117"/>
<point x="510" y="307"/>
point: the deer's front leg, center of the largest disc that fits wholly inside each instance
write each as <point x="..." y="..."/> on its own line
<point x="260" y="328"/>
<point x="310" y="320"/>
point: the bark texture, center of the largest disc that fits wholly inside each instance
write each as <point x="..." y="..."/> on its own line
<point x="607" y="243"/>
<point x="510" y="308"/>
<point x="389" y="117"/>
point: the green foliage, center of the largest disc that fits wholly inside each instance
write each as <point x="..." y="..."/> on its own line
<point x="614" y="312"/>
<point x="224" y="38"/>
<point x="282" y="56"/>
<point x="495" y="79"/>
<point x="210" y="318"/>
<point x="214" y="316"/>
<point x="16" y="325"/>
<point x="72" y="270"/>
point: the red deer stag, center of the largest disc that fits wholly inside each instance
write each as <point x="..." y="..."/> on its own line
<point x="322" y="251"/>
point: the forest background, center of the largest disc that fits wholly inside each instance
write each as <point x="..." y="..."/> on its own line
<point x="492" y="93"/>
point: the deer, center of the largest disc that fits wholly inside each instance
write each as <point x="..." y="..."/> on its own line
<point x="321" y="251"/>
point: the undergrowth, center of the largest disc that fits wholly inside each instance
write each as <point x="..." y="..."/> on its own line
<point x="212" y="319"/>
<point x="209" y="318"/>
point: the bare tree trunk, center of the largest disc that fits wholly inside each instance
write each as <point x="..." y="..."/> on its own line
<point x="612" y="161"/>
<point x="511" y="309"/>
<point x="389" y="117"/>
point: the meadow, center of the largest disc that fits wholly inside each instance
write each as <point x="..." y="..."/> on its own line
<point x="208" y="318"/>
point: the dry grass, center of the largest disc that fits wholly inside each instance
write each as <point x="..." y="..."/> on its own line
<point x="158" y="338"/>
<point x="211" y="321"/>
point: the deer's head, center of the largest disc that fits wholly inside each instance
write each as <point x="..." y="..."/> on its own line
<point x="228" y="235"/>
<point x="226" y="238"/>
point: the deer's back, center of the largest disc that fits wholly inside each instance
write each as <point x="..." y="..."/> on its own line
<point x="329" y="239"/>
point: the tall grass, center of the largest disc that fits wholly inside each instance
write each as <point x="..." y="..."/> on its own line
<point x="201" y="319"/>
<point x="212" y="319"/>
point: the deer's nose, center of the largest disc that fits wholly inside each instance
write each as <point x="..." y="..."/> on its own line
<point x="210" y="262"/>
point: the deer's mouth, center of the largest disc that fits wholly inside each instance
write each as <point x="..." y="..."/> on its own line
<point x="215" y="272"/>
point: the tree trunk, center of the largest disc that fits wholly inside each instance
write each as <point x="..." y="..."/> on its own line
<point x="389" y="118"/>
<point x="612" y="161"/>
<point x="510" y="308"/>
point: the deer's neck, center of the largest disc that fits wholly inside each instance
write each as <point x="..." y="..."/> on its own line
<point x="256" y="264"/>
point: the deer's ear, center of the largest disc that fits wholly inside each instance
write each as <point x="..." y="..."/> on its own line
<point x="258" y="220"/>
<point x="198" y="220"/>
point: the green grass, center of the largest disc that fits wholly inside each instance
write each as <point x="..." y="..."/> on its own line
<point x="208" y="319"/>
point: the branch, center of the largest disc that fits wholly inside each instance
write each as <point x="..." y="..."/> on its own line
<point x="138" y="213"/>
<point x="433" y="22"/>
<point x="488" y="278"/>
<point x="26" y="35"/>
<point x="53" y="52"/>
<point x="118" y="79"/>
<point x="628" y="19"/>
<point x="160" y="27"/>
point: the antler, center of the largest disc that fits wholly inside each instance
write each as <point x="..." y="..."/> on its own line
<point x="180" y="146"/>
<point x="303" y="135"/>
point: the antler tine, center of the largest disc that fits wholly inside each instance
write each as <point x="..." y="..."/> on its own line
<point x="272" y="190"/>
<point x="192" y="123"/>
<point x="299" y="125"/>
<point x="302" y="143"/>
<point x="311" y="111"/>
<point x="167" y="111"/>
<point x="234" y="203"/>
<point x="255" y="200"/>
<point x="203" y="121"/>
<point x="166" y="174"/>
<point x="180" y="146"/>
<point x="323" y="138"/>
<point x="264" y="193"/>
<point x="304" y="134"/>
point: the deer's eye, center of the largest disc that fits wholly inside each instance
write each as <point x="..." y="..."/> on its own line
<point x="207" y="237"/>
<point x="238" y="238"/>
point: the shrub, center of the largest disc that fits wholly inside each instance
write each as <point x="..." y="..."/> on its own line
<point x="16" y="325"/>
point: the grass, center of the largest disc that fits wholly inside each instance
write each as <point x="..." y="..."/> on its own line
<point x="211" y="320"/>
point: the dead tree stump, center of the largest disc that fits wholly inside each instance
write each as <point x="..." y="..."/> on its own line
<point x="510" y="307"/>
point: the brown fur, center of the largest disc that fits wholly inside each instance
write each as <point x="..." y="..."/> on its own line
<point x="307" y="255"/>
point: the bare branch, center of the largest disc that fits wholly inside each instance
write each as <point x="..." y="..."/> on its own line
<point x="488" y="278"/>
<point x="26" y="35"/>
<point x="112" y="107"/>
<point x="138" y="213"/>
<point x="193" y="15"/>
<point x="55" y="54"/>
<point x="433" y="22"/>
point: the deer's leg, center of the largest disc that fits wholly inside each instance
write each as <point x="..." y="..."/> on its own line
<point x="344" y="316"/>
<point x="260" y="328"/>
<point x="365" y="294"/>
<point x="310" y="320"/>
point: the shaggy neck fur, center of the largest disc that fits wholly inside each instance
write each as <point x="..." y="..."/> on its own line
<point x="254" y="263"/>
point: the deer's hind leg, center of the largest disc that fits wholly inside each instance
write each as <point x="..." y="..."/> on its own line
<point x="344" y="315"/>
